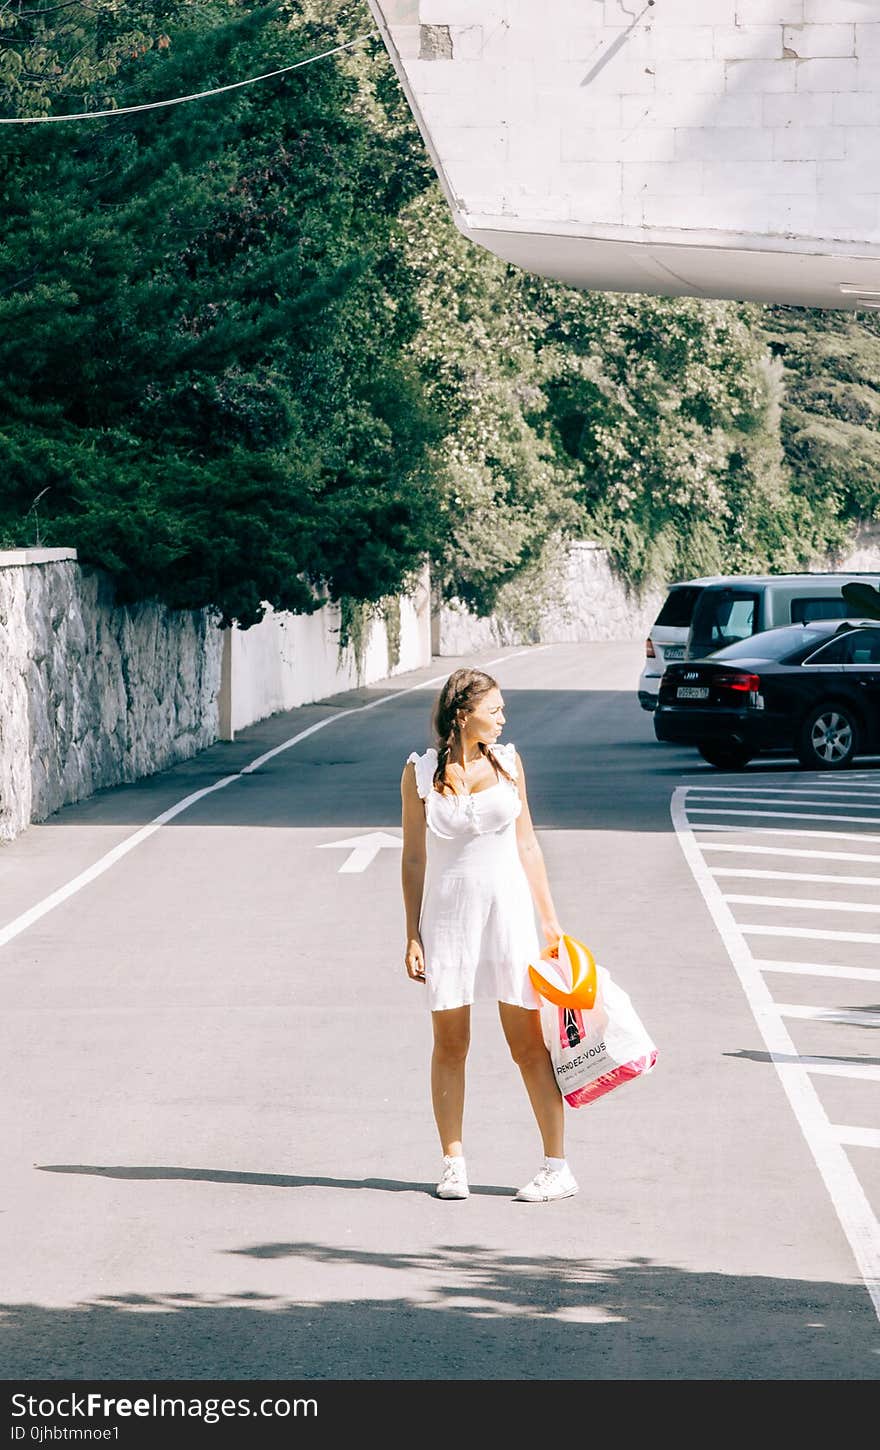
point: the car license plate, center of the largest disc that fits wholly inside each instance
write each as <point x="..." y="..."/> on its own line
<point x="692" y="692"/>
<point x="673" y="651"/>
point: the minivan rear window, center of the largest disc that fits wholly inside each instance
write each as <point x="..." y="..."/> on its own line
<point x="721" y="617"/>
<point x="803" y="611"/>
<point x="678" y="608"/>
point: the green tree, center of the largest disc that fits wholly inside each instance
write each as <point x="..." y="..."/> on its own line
<point x="51" y="53"/>
<point x="831" y="407"/>
<point x="204" y="329"/>
<point x="506" y="497"/>
<point x="670" y="411"/>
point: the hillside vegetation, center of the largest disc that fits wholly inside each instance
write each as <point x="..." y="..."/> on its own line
<point x="247" y="358"/>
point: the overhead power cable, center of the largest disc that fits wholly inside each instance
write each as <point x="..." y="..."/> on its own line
<point x="180" y="100"/>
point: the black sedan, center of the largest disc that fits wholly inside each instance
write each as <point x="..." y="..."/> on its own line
<point x="812" y="690"/>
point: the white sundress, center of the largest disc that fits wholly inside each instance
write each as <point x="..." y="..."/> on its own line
<point x="477" y="920"/>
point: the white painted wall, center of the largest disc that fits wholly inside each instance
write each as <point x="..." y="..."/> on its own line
<point x="714" y="147"/>
<point x="287" y="660"/>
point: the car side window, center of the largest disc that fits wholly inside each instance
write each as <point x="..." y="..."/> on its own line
<point x="866" y="647"/>
<point x="859" y="647"/>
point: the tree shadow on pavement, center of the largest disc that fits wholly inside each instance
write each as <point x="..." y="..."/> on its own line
<point x="478" y="1314"/>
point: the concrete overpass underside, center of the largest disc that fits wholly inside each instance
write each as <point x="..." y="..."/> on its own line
<point x="707" y="148"/>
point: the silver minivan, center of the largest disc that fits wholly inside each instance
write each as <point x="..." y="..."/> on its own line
<point x="733" y="608"/>
<point x="667" y="636"/>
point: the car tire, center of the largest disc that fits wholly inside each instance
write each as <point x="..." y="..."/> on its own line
<point x="830" y="737"/>
<point x="724" y="756"/>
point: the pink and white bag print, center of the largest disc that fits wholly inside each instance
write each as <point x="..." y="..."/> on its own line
<point x="596" y="1050"/>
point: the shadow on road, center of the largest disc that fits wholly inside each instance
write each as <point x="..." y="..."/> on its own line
<point x="482" y="1314"/>
<point x="260" y="1180"/>
<point x="591" y="758"/>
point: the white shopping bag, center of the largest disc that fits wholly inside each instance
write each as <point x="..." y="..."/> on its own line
<point x="595" y="1050"/>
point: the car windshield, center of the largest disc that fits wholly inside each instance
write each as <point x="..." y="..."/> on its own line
<point x="772" y="644"/>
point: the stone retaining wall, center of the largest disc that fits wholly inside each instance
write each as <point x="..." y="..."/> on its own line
<point x="93" y="694"/>
<point x="592" y="602"/>
<point x="587" y="600"/>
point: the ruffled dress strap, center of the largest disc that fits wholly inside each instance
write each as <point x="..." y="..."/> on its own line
<point x="506" y="756"/>
<point x="425" y="766"/>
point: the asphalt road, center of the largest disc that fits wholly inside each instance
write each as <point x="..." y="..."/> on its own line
<point x="216" y="1130"/>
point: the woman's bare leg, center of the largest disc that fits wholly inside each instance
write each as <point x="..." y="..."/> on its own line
<point x="522" y="1028"/>
<point x="452" y="1035"/>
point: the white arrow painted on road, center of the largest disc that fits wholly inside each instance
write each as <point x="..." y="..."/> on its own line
<point x="363" y="848"/>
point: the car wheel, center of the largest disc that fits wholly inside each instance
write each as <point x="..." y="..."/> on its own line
<point x="829" y="738"/>
<point x="726" y="757"/>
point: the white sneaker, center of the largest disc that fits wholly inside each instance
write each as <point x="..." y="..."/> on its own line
<point x="453" y="1180"/>
<point x="549" y="1183"/>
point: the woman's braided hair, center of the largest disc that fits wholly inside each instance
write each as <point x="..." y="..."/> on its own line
<point x="461" y="694"/>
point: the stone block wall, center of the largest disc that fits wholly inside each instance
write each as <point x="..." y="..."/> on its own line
<point x="587" y="600"/>
<point x="592" y="602"/>
<point x="92" y="694"/>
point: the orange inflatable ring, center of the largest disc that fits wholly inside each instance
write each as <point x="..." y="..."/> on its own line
<point x="581" y="969"/>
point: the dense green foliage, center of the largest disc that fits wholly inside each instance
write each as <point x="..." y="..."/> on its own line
<point x="670" y="409"/>
<point x="831" y="420"/>
<point x="653" y="425"/>
<point x="506" y="496"/>
<point x="246" y="356"/>
<point x="203" y="327"/>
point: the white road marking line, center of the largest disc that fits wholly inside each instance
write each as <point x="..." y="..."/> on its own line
<point x="830" y="1014"/>
<point x="781" y="815"/>
<point x="857" y="1137"/>
<point x="757" y="791"/>
<point x="331" y="720"/>
<point x="532" y="650"/>
<point x="784" y="776"/>
<point x="795" y="831"/>
<point x="27" y="918"/>
<point x="827" y="1067"/>
<point x="808" y="931"/>
<point x="789" y="851"/>
<point x="34" y="913"/>
<point x="757" y="875"/>
<point x="819" y="969"/>
<point x="777" y="800"/>
<point x="850" y="1202"/>
<point x="363" y="850"/>
<point x="802" y="904"/>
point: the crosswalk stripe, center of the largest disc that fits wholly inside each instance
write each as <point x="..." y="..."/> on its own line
<point x="771" y="800"/>
<point x="803" y="904"/>
<point x="780" y="815"/>
<point x="756" y="874"/>
<point x="803" y="851"/>
<point x="827" y="935"/>
<point x="796" y="832"/>
<point x="857" y="1071"/>
<point x="819" y="969"/>
<point x="857" y="1137"/>
<point x="829" y="1014"/>
<point x="855" y="1212"/>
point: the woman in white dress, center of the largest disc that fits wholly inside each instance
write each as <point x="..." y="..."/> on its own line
<point x="473" y="875"/>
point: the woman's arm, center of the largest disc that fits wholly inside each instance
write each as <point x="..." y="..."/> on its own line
<point x="413" y="857"/>
<point x="533" y="864"/>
